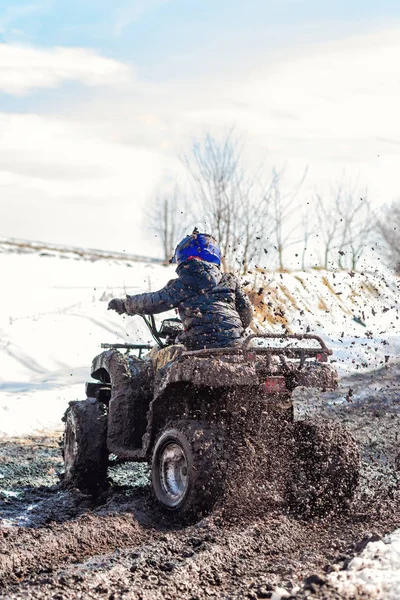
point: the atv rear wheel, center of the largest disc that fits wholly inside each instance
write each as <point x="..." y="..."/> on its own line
<point x="85" y="445"/>
<point x="187" y="469"/>
<point x="326" y="468"/>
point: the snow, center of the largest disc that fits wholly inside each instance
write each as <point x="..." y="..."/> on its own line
<point x="279" y="594"/>
<point x="376" y="571"/>
<point x="358" y="315"/>
<point x="53" y="318"/>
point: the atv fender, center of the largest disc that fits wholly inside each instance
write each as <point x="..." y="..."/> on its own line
<point x="208" y="372"/>
<point x="317" y="375"/>
<point x="130" y="380"/>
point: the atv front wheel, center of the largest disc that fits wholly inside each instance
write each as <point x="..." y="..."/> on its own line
<point x="326" y="468"/>
<point x="85" y="445"/>
<point x="187" y="469"/>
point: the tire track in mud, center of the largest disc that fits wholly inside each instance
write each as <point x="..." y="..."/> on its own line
<point x="209" y="559"/>
<point x="24" y="551"/>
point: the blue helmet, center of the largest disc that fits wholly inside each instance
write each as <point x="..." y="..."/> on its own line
<point x="197" y="245"/>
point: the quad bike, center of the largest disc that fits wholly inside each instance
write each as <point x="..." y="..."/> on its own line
<point x="188" y="419"/>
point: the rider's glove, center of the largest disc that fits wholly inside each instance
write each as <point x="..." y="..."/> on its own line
<point x="118" y="305"/>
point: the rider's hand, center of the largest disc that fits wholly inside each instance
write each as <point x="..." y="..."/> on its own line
<point x="118" y="305"/>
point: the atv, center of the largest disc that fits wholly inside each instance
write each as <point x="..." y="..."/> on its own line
<point x="189" y="419"/>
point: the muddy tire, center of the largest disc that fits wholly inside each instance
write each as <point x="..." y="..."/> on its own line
<point x="188" y="469"/>
<point x="326" y="468"/>
<point x="84" y="446"/>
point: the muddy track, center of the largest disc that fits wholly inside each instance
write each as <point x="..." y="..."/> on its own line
<point x="58" y="544"/>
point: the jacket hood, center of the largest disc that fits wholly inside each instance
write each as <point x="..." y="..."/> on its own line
<point x="199" y="274"/>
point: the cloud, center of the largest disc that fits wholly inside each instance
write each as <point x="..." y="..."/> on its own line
<point x="59" y="157"/>
<point x="346" y="89"/>
<point x="59" y="182"/>
<point x="24" y="68"/>
<point x="331" y="108"/>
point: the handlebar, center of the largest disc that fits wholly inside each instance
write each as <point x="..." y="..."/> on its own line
<point x="127" y="346"/>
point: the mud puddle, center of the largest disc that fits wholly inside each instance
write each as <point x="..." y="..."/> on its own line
<point x="30" y="494"/>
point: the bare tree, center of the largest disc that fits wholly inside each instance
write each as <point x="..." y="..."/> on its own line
<point x="228" y="199"/>
<point x="344" y="220"/>
<point x="356" y="219"/>
<point x="388" y="226"/>
<point x="168" y="219"/>
<point x="282" y="214"/>
<point x="254" y="235"/>
<point x="328" y="224"/>
<point x="308" y="228"/>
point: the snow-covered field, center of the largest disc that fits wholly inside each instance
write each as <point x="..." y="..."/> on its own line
<point x="53" y="318"/>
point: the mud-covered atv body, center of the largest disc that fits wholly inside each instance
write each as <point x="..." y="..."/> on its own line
<point x="188" y="419"/>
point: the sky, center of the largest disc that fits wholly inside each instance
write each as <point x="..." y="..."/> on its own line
<point x="98" y="99"/>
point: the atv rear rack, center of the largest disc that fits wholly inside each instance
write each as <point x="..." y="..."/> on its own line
<point x="250" y="353"/>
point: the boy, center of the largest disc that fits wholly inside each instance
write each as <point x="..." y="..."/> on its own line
<point x="212" y="305"/>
